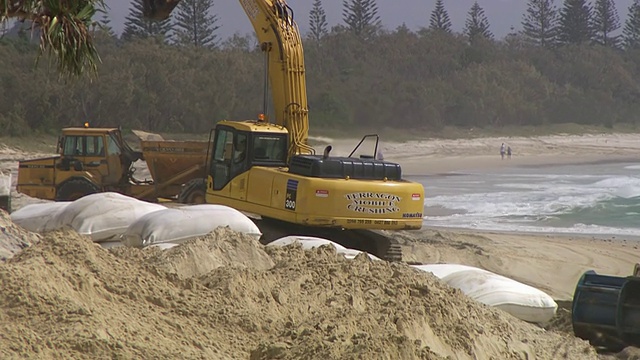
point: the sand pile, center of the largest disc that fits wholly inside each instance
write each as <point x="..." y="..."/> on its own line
<point x="13" y="238"/>
<point x="204" y="254"/>
<point x="67" y="297"/>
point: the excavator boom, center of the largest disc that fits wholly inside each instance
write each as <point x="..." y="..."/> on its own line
<point x="280" y="40"/>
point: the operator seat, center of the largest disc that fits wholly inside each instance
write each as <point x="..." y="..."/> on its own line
<point x="260" y="153"/>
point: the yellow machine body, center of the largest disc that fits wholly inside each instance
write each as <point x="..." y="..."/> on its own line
<point x="344" y="203"/>
<point x="263" y="182"/>
<point x="97" y="159"/>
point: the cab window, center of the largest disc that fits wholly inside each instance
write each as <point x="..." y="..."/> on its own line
<point x="73" y="146"/>
<point x="240" y="148"/>
<point x="83" y="146"/>
<point x="94" y="146"/>
<point x="112" y="145"/>
<point x="224" y="146"/>
<point x="270" y="148"/>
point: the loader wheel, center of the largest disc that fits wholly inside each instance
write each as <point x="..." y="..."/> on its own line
<point x="75" y="189"/>
<point x="193" y="192"/>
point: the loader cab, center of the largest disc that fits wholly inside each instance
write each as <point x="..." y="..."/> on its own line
<point x="82" y="150"/>
<point x="236" y="150"/>
<point x="98" y="151"/>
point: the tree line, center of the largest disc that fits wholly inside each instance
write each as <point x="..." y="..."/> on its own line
<point x="543" y="23"/>
<point x="369" y="78"/>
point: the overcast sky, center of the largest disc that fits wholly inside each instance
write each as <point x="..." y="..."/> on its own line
<point x="502" y="14"/>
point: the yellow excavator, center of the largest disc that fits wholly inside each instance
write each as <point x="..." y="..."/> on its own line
<point x="267" y="167"/>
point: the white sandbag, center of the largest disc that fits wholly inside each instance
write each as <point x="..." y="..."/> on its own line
<point x="442" y="270"/>
<point x="5" y="184"/>
<point x="520" y="300"/>
<point x="103" y="216"/>
<point x="310" y="242"/>
<point x="164" y="246"/>
<point x="307" y="242"/>
<point x="185" y="223"/>
<point x="38" y="217"/>
<point x="110" y="244"/>
<point x="352" y="253"/>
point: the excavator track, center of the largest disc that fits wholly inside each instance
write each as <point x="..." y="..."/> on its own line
<point x="369" y="241"/>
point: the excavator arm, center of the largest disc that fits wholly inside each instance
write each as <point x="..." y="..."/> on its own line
<point x="280" y="40"/>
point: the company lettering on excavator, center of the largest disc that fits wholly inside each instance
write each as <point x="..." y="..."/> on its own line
<point x="267" y="168"/>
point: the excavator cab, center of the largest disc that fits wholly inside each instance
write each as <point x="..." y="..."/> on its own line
<point x="238" y="147"/>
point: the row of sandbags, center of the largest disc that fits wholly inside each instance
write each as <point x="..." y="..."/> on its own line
<point x="520" y="300"/>
<point x="108" y="217"/>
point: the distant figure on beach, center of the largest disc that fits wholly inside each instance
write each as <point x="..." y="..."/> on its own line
<point x="379" y="155"/>
<point x="502" y="149"/>
<point x="509" y="152"/>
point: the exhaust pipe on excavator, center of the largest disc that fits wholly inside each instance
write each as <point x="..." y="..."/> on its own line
<point x="327" y="150"/>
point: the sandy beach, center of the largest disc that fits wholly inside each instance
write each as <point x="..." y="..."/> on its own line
<point x="552" y="263"/>
<point x="438" y="156"/>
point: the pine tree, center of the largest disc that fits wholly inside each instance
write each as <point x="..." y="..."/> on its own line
<point x="105" y="24"/>
<point x="361" y="17"/>
<point x="575" y="22"/>
<point x="440" y="18"/>
<point x="631" y="30"/>
<point x="195" y="25"/>
<point x="136" y="25"/>
<point x="605" y="22"/>
<point x="539" y="24"/>
<point x="317" y="21"/>
<point x="477" y="25"/>
<point x="3" y="28"/>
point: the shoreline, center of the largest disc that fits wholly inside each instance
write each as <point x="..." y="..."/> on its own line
<point x="456" y="165"/>
<point x="587" y="236"/>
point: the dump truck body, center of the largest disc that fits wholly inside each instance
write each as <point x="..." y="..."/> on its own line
<point x="97" y="159"/>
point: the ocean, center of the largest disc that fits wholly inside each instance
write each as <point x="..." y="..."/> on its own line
<point x="588" y="199"/>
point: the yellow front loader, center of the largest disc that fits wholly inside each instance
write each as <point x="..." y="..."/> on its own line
<point x="91" y="160"/>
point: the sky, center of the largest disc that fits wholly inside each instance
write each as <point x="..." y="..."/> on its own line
<point x="502" y="14"/>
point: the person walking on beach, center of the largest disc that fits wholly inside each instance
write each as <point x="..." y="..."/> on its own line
<point x="502" y="149"/>
<point x="509" y="152"/>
